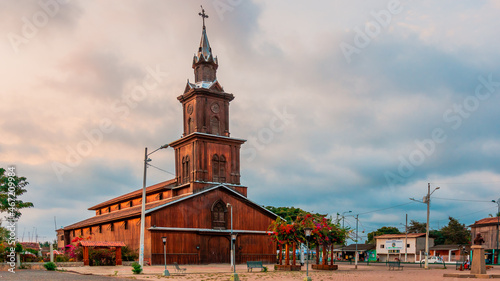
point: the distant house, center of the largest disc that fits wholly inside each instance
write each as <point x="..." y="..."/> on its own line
<point x="391" y="247"/>
<point x="488" y="228"/>
<point x="366" y="251"/>
<point x="450" y="253"/>
<point x="32" y="246"/>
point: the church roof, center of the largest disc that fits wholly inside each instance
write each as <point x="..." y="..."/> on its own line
<point x="102" y="243"/>
<point x="156" y="205"/>
<point x="208" y="190"/>
<point x="204" y="51"/>
<point x="214" y="85"/>
<point x="120" y="214"/>
<point x="137" y="193"/>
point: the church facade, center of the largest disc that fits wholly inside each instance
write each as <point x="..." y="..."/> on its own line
<point x="192" y="210"/>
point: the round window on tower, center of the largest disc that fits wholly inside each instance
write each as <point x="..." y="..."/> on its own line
<point x="215" y="107"/>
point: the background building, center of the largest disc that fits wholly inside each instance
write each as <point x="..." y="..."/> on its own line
<point x="392" y="246"/>
<point x="488" y="228"/>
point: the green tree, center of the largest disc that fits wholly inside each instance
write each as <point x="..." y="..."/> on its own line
<point x="290" y="214"/>
<point x="416" y="227"/>
<point x="438" y="236"/>
<point x="11" y="187"/>
<point x="455" y="233"/>
<point x="4" y="234"/>
<point x="381" y="231"/>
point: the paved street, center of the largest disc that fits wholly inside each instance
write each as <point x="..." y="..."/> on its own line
<point x="346" y="272"/>
<point x="42" y="275"/>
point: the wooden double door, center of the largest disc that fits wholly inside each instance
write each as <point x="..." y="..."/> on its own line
<point x="216" y="250"/>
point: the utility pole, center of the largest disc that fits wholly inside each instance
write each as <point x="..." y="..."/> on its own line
<point x="343" y="219"/>
<point x="406" y="240"/>
<point x="427" y="200"/>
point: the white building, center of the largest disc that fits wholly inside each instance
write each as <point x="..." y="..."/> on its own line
<point x="409" y="248"/>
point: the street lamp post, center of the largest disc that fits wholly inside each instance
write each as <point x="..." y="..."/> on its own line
<point x="343" y="219"/>
<point x="498" y="226"/>
<point x="143" y="205"/>
<point x="356" y="253"/>
<point x="427" y="200"/>
<point x="308" y="234"/>
<point x="164" y="239"/>
<point x="233" y="239"/>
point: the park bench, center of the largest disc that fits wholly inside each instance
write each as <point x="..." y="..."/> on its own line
<point x="177" y="268"/>
<point x="394" y="265"/>
<point x="254" y="264"/>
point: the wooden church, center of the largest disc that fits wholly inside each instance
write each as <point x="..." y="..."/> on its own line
<point x="190" y="210"/>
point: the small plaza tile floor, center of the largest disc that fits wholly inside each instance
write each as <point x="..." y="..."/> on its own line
<point x="346" y="272"/>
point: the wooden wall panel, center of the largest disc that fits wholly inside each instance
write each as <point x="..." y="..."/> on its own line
<point x="196" y="213"/>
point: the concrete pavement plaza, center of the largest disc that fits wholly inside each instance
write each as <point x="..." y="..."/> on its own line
<point x="346" y="272"/>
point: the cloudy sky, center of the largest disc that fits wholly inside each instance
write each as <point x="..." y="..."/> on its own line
<point x="346" y="105"/>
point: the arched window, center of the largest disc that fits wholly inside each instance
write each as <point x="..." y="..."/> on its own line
<point x="214" y="125"/>
<point x="219" y="168"/>
<point x="215" y="168"/>
<point x="222" y="168"/>
<point x="185" y="169"/>
<point x="190" y="125"/>
<point x="219" y="215"/>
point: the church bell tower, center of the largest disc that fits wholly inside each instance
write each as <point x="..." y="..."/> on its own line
<point x="206" y="155"/>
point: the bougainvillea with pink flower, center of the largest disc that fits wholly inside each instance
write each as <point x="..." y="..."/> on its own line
<point x="323" y="230"/>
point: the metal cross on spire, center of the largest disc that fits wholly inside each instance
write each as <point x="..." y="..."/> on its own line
<point x="203" y="15"/>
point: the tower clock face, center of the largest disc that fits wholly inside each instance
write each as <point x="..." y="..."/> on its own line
<point x="190" y="109"/>
<point x="215" y="107"/>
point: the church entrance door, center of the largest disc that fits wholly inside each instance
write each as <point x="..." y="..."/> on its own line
<point x="218" y="249"/>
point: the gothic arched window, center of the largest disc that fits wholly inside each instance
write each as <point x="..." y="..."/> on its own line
<point x="219" y="168"/>
<point x="214" y="125"/>
<point x="219" y="215"/>
<point x="222" y="168"/>
<point x="190" y="125"/>
<point x="215" y="168"/>
<point x="185" y="169"/>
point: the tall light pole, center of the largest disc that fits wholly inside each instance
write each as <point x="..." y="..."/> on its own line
<point x="356" y="253"/>
<point x="164" y="239"/>
<point x="498" y="225"/>
<point x="406" y="239"/>
<point x="343" y="219"/>
<point x="308" y="234"/>
<point x="427" y="200"/>
<point x="143" y="207"/>
<point x="233" y="239"/>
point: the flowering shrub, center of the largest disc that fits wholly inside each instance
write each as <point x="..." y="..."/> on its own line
<point x="282" y="232"/>
<point x="323" y="231"/>
<point x="75" y="249"/>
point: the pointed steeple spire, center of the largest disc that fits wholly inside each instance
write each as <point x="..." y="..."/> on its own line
<point x="204" y="49"/>
<point x="204" y="63"/>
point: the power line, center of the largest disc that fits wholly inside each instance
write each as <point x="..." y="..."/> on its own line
<point x="479" y="182"/>
<point x="386" y="208"/>
<point x="465" y="200"/>
<point x="161" y="169"/>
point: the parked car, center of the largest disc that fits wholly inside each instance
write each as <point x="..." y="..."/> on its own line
<point x="433" y="259"/>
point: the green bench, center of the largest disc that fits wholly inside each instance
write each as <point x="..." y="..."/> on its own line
<point x="394" y="265"/>
<point x="254" y="264"/>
